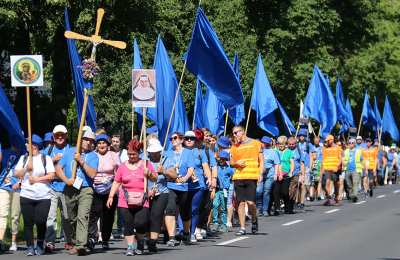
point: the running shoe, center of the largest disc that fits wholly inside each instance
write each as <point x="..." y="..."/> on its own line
<point x="254" y="227"/>
<point x="241" y="232"/>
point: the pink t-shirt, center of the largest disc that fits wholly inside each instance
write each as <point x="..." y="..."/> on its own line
<point x="131" y="180"/>
<point x="107" y="166"/>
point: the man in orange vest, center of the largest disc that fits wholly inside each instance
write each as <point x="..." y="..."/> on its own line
<point x="331" y="163"/>
<point x="248" y="161"/>
<point x="370" y="154"/>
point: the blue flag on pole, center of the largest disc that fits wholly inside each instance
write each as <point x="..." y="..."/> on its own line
<point x="263" y="101"/>
<point x="79" y="82"/>
<point x="198" y="112"/>
<point x="213" y="113"/>
<point x="167" y="86"/>
<point x="207" y="60"/>
<point x="320" y="103"/>
<point x="388" y="123"/>
<point x="377" y="115"/>
<point x="350" y="118"/>
<point x="9" y="121"/>
<point x="237" y="113"/>
<point x="368" y="113"/>
<point x="289" y="127"/>
<point x="341" y="108"/>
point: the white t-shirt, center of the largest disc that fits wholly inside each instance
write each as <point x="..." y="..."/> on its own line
<point x="36" y="191"/>
<point x="123" y="155"/>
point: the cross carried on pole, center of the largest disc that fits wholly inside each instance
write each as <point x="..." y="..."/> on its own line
<point x="95" y="39"/>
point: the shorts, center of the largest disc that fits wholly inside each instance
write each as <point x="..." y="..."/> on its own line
<point x="370" y="174"/>
<point x="245" y="190"/>
<point x="334" y="176"/>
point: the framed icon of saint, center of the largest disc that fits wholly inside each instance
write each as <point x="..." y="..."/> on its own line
<point x="144" y="88"/>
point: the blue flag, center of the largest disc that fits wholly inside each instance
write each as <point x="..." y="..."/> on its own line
<point x="9" y="121"/>
<point x="79" y="82"/>
<point x="213" y="113"/>
<point x="198" y="121"/>
<point x="350" y="118"/>
<point x="377" y="115"/>
<point x="368" y="113"/>
<point x="320" y="103"/>
<point x="388" y="123"/>
<point x="237" y="113"/>
<point x="167" y="86"/>
<point x="289" y="127"/>
<point x="341" y="108"/>
<point x="263" y="100"/>
<point x="207" y="60"/>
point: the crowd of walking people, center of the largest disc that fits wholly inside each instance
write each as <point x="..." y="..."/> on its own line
<point x="198" y="184"/>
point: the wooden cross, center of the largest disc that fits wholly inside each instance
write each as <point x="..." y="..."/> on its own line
<point x="95" y="39"/>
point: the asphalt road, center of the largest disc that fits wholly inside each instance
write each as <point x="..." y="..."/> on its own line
<point x="369" y="229"/>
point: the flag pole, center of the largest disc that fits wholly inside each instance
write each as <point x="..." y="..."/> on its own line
<point x="144" y="136"/>
<point x="173" y="106"/>
<point x="226" y="120"/>
<point x="359" y="126"/>
<point x="28" y="114"/>
<point x="248" y="119"/>
<point x="81" y="124"/>
<point x="133" y="121"/>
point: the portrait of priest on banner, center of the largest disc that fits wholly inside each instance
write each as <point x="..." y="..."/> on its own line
<point x="143" y="88"/>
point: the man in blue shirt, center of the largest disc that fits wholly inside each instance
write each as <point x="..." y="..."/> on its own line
<point x="298" y="174"/>
<point x="56" y="151"/>
<point x="264" y="187"/>
<point x="353" y="166"/>
<point x="78" y="191"/>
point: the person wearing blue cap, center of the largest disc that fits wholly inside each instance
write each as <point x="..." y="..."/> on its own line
<point x="56" y="150"/>
<point x="304" y="147"/>
<point x="47" y="140"/>
<point x="225" y="173"/>
<point x="271" y="167"/>
<point x="36" y="173"/>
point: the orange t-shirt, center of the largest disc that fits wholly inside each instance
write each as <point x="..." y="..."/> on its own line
<point x="370" y="155"/>
<point x="331" y="158"/>
<point x="248" y="152"/>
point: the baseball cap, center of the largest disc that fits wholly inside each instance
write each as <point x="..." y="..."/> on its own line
<point x="102" y="137"/>
<point x="154" y="146"/>
<point x="302" y="132"/>
<point x="223" y="142"/>
<point x="266" y="140"/>
<point x="152" y="130"/>
<point x="393" y="146"/>
<point x="89" y="135"/>
<point x="36" y="140"/>
<point x="87" y="128"/>
<point x="329" y="138"/>
<point x="60" y="129"/>
<point x="224" y="155"/>
<point x="48" y="137"/>
<point x="190" y="134"/>
<point x="352" y="140"/>
<point x="359" y="137"/>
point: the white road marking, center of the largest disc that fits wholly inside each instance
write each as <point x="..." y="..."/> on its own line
<point x="232" y="241"/>
<point x="360" y="202"/>
<point x="293" y="222"/>
<point x="396" y="191"/>
<point x="381" y="196"/>
<point x="331" y="211"/>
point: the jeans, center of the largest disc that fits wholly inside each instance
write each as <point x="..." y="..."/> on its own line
<point x="219" y="206"/>
<point x="263" y="193"/>
<point x="197" y="197"/>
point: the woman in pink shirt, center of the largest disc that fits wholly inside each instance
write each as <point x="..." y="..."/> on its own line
<point x="131" y="181"/>
<point x="102" y="182"/>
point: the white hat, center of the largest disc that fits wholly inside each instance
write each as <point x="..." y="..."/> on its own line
<point x="190" y="134"/>
<point x="89" y="135"/>
<point x="154" y="146"/>
<point x="60" y="129"/>
<point x="87" y="128"/>
<point x="359" y="137"/>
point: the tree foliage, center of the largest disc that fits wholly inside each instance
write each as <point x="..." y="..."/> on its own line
<point x="357" y="41"/>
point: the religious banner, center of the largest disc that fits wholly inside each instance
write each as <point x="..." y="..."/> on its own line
<point x="26" y="70"/>
<point x="143" y="88"/>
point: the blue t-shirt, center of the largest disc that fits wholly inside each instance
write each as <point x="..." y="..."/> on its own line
<point x="351" y="165"/>
<point x="184" y="160"/>
<point x="298" y="159"/>
<point x="305" y="149"/>
<point x="225" y="173"/>
<point x="57" y="184"/>
<point x="200" y="157"/>
<point x="271" y="159"/>
<point x="67" y="161"/>
<point x="161" y="182"/>
<point x="390" y="159"/>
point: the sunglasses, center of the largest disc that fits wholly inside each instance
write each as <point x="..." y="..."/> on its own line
<point x="238" y="131"/>
<point x="190" y="139"/>
<point x="352" y="143"/>
<point x="173" y="138"/>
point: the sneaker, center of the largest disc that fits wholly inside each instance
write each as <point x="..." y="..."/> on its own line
<point x="223" y="229"/>
<point x="68" y="246"/>
<point x="371" y="192"/>
<point x="81" y="251"/>
<point x="50" y="247"/>
<point x="172" y="243"/>
<point x="355" y="199"/>
<point x="254" y="227"/>
<point x="91" y="244"/>
<point x="39" y="251"/>
<point x="186" y="239"/>
<point x="241" y="232"/>
<point x="105" y="245"/>
<point x="152" y="246"/>
<point x="203" y="233"/>
<point x="214" y="227"/>
<point x="140" y="247"/>
<point x="13" y="247"/>
<point x="73" y="251"/>
<point x="390" y="182"/>
<point x="129" y="252"/>
<point x="198" y="236"/>
<point x="193" y="238"/>
<point x="30" y="251"/>
<point x="328" y="203"/>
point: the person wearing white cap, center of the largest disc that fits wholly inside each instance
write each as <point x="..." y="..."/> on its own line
<point x="56" y="151"/>
<point x="78" y="192"/>
<point x="392" y="158"/>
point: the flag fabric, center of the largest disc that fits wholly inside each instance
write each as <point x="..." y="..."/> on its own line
<point x="79" y="82"/>
<point x="350" y="118"/>
<point x="341" y="108"/>
<point x="289" y="127"/>
<point x="237" y="113"/>
<point x="263" y="101"/>
<point x="378" y="117"/>
<point x="207" y="60"/>
<point x="388" y="123"/>
<point x="213" y="113"/>
<point x="9" y="121"/>
<point x="198" y="112"/>
<point x="320" y="103"/>
<point x="368" y="113"/>
<point x="167" y="86"/>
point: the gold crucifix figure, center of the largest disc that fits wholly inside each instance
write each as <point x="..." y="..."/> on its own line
<point x="95" y="38"/>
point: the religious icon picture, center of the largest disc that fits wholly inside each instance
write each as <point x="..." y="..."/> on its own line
<point x="26" y="70"/>
<point x="143" y="88"/>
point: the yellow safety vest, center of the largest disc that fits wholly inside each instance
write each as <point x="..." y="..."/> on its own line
<point x="359" y="163"/>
